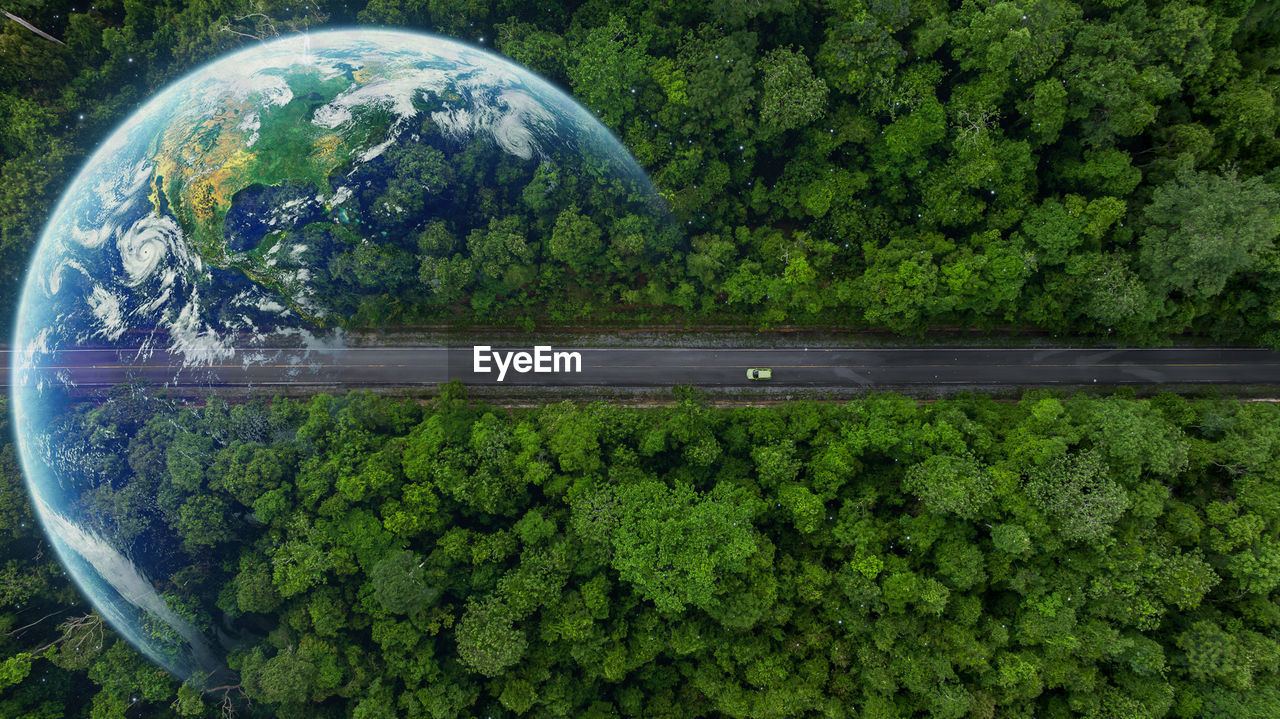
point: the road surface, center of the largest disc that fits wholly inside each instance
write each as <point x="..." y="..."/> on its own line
<point x="665" y="367"/>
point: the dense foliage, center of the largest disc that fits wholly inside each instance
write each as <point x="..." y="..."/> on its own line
<point x="1105" y="167"/>
<point x="1050" y="557"/>
<point x="57" y="657"/>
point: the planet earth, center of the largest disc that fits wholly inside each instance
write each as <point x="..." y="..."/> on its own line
<point x="274" y="198"/>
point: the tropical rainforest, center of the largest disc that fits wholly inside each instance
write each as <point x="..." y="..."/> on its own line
<point x="1106" y="168"/>
<point x="1095" y="556"/>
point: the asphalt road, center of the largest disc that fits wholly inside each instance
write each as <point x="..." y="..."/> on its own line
<point x="664" y="367"/>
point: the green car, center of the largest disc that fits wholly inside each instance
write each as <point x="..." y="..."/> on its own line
<point x="760" y="373"/>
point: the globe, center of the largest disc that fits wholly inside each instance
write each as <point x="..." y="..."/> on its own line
<point x="276" y="199"/>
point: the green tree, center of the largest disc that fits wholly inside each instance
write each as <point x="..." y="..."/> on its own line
<point x="203" y="522"/>
<point x="575" y="240"/>
<point x="400" y="585"/>
<point x="420" y="173"/>
<point x="1204" y="229"/>
<point x="501" y="252"/>
<point x="488" y="642"/>
<point x="1077" y="490"/>
<point x="948" y="484"/>
<point x="791" y="96"/>
<point x="675" y="546"/>
<point x="606" y="67"/>
<point x="286" y="678"/>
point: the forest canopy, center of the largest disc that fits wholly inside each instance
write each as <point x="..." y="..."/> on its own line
<point x="1107" y="168"/>
<point x="1045" y="557"/>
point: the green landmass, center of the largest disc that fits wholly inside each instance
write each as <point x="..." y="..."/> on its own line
<point x="1045" y="557"/>
<point x="1107" y="168"/>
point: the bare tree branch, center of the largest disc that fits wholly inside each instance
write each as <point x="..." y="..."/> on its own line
<point x="77" y="631"/>
<point x="260" y="19"/>
<point x="41" y="619"/>
<point x="227" y="705"/>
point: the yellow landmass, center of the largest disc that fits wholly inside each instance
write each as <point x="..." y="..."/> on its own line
<point x="325" y="151"/>
<point x="210" y="192"/>
<point x="199" y="161"/>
